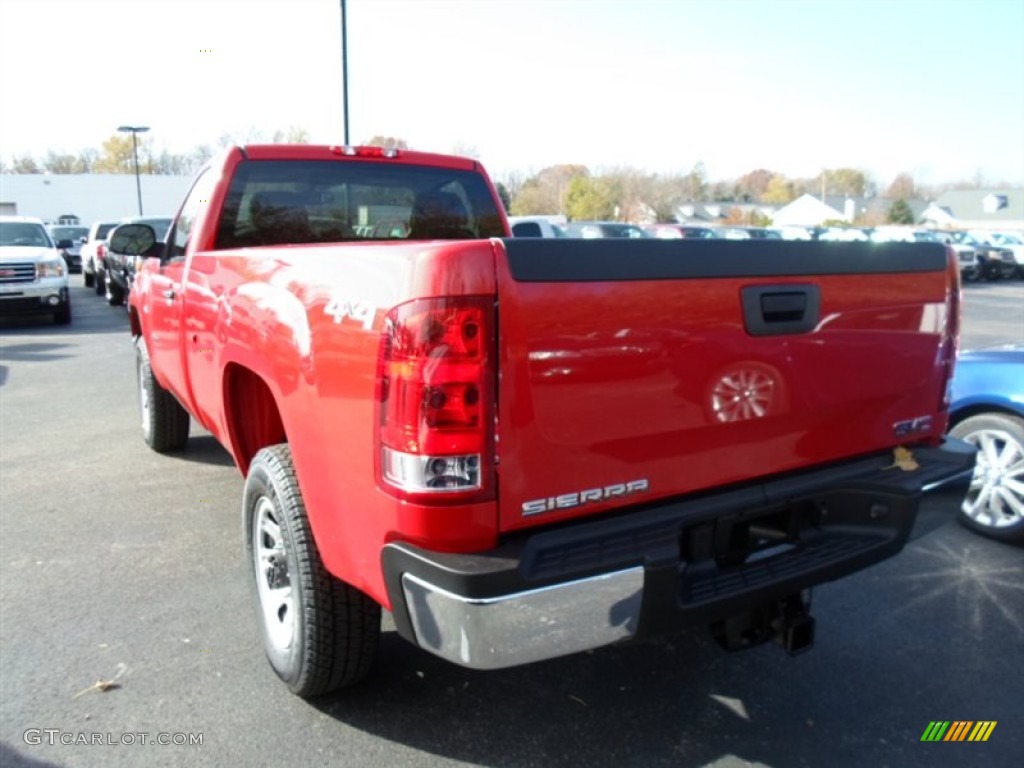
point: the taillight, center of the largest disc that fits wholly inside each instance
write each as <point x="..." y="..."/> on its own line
<point x="101" y="252"/>
<point x="436" y="399"/>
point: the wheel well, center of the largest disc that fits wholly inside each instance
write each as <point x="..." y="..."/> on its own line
<point x="977" y="410"/>
<point x="254" y="421"/>
<point x="133" y="322"/>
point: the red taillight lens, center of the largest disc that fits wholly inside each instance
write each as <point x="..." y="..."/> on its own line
<point x="101" y="252"/>
<point x="436" y="398"/>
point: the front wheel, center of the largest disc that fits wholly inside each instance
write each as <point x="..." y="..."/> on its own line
<point x="63" y="315"/>
<point x="319" y="633"/>
<point x="995" y="502"/>
<point x="87" y="278"/>
<point x="164" y="422"/>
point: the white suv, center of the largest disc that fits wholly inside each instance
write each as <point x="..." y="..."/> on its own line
<point x="33" y="275"/>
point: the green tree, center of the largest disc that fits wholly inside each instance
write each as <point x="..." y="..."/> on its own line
<point x="545" y="193"/>
<point x="751" y="186"/>
<point x="503" y="195"/>
<point x="779" y="191"/>
<point x="900" y="213"/>
<point x="589" y="199"/>
<point x="842" y="181"/>
<point x="117" y="156"/>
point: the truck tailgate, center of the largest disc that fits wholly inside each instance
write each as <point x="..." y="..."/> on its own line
<point x="640" y="370"/>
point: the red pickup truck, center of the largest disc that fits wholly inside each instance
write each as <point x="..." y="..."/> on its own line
<point x="524" y="448"/>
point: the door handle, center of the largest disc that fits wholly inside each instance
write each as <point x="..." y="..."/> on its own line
<point x="168" y="294"/>
<point x="777" y="310"/>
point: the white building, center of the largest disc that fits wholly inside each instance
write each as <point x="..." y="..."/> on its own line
<point x="89" y="196"/>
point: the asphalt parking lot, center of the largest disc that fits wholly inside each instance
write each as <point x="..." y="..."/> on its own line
<point x="124" y="567"/>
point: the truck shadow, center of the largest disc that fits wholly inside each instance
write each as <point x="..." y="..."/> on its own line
<point x="204" y="449"/>
<point x="683" y="701"/>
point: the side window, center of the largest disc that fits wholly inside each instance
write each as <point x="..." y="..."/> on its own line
<point x="526" y="229"/>
<point x="197" y="197"/>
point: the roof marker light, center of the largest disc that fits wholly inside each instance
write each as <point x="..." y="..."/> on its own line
<point x="350" y="151"/>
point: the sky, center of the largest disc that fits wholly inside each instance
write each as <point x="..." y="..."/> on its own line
<point x="933" y="88"/>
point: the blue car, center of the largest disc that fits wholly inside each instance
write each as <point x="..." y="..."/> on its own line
<point x="988" y="411"/>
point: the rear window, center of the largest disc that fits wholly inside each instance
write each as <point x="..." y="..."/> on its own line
<point x="274" y="202"/>
<point x="69" y="233"/>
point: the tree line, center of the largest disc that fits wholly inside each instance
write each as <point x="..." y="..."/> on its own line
<point x="624" y="194"/>
<point x="116" y="155"/>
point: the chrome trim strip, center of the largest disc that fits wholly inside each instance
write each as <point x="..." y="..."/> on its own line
<point x="523" y="627"/>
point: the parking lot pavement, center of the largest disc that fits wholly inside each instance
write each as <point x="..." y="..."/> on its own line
<point x="122" y="567"/>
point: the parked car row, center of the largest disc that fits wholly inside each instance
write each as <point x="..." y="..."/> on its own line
<point x="75" y="235"/>
<point x="108" y="272"/>
<point x="982" y="255"/>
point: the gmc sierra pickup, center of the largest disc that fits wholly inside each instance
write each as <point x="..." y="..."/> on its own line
<point x="524" y="448"/>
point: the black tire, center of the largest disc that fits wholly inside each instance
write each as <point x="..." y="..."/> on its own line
<point x="99" y="282"/>
<point x="87" y="278"/>
<point x="995" y="502"/>
<point x="319" y="633"/>
<point x="115" y="296"/>
<point x="165" y="422"/>
<point x="63" y="315"/>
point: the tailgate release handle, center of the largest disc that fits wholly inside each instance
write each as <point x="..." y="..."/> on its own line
<point x="770" y="310"/>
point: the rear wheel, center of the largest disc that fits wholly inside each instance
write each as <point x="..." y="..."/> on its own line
<point x="99" y="282"/>
<point x="995" y="502"/>
<point x="319" y="633"/>
<point x="164" y="422"/>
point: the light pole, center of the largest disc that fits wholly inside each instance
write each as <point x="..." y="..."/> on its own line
<point x="344" y="69"/>
<point x="133" y="130"/>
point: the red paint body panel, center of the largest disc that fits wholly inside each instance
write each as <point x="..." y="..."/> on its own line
<point x="598" y="383"/>
<point x="605" y="383"/>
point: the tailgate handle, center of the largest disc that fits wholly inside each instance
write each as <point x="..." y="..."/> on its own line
<point x="770" y="310"/>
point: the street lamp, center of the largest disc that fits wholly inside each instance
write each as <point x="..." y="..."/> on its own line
<point x="135" y="129"/>
<point x="344" y="69"/>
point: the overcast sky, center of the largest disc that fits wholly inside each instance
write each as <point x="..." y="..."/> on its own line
<point x="931" y="87"/>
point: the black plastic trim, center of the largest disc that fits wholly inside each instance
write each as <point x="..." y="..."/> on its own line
<point x="862" y="511"/>
<point x="577" y="260"/>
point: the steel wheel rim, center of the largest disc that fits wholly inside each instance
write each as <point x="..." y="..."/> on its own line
<point x="742" y="395"/>
<point x="996" y="496"/>
<point x="273" y="577"/>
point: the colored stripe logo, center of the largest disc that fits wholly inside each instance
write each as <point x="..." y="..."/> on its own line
<point x="958" y="730"/>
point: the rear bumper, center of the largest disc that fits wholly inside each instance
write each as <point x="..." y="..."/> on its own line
<point x="665" y="567"/>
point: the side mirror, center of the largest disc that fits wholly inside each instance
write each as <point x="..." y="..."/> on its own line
<point x="132" y="239"/>
<point x="65" y="244"/>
